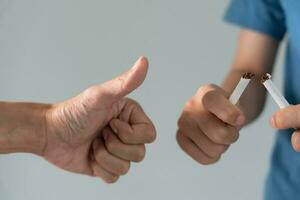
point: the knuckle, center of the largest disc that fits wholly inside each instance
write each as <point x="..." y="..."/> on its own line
<point x="110" y="179"/>
<point x="140" y="154"/>
<point x="190" y="104"/>
<point x="229" y="115"/>
<point x="220" y="135"/>
<point x="91" y="90"/>
<point x="208" y="161"/>
<point x="123" y="168"/>
<point x="92" y="94"/>
<point x="219" y="150"/>
<point x="151" y="134"/>
<point x="225" y="135"/>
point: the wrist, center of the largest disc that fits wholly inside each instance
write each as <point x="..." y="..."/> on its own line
<point x="23" y="127"/>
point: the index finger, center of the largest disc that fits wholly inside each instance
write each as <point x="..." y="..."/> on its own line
<point x="134" y="127"/>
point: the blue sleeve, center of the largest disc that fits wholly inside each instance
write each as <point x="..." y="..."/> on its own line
<point x="263" y="16"/>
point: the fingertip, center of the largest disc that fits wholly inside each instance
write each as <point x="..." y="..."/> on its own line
<point x="111" y="180"/>
<point x="296" y="141"/>
<point x="144" y="60"/>
<point x="141" y="64"/>
<point x="138" y="74"/>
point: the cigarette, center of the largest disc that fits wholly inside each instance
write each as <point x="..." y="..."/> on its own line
<point x="241" y="87"/>
<point x="274" y="92"/>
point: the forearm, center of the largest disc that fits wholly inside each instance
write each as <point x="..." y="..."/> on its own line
<point x="22" y="127"/>
<point x="256" y="54"/>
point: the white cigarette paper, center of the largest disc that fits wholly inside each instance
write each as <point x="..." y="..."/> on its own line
<point x="240" y="88"/>
<point x="274" y="92"/>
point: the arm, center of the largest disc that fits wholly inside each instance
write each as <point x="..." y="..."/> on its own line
<point x="209" y="123"/>
<point x="97" y="133"/>
<point x="22" y="127"/>
<point x="255" y="53"/>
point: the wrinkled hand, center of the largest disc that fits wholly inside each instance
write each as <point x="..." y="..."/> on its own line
<point x="99" y="132"/>
<point x="289" y="118"/>
<point x="209" y="124"/>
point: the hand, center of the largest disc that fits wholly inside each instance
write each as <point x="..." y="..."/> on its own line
<point x="289" y="118"/>
<point x="99" y="132"/>
<point x="209" y="124"/>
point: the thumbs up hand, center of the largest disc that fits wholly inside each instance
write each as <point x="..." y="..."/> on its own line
<point x="100" y="131"/>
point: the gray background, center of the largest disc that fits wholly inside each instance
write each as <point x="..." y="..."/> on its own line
<point x="52" y="50"/>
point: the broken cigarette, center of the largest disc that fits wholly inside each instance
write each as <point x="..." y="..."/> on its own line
<point x="240" y="88"/>
<point x="274" y="92"/>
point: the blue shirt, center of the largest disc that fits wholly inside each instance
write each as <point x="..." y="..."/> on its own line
<point x="277" y="18"/>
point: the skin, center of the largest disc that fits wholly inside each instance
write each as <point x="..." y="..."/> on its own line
<point x="97" y="133"/>
<point x="209" y="123"/>
<point x="289" y="118"/>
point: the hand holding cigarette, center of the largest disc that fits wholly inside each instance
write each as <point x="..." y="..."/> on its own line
<point x="209" y="124"/>
<point x="288" y="117"/>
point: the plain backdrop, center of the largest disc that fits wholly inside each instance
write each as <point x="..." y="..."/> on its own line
<point x="52" y="50"/>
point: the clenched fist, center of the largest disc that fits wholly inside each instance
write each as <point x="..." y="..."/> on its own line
<point x="208" y="124"/>
<point x="100" y="131"/>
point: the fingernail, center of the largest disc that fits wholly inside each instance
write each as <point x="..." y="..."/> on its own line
<point x="240" y="120"/>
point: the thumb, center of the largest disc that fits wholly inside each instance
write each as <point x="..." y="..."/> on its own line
<point x="117" y="88"/>
<point x="127" y="82"/>
<point x="286" y="118"/>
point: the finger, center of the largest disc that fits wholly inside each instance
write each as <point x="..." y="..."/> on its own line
<point x="220" y="106"/>
<point x="137" y="134"/>
<point x="127" y="82"/>
<point x="107" y="161"/>
<point x="105" y="175"/>
<point x="106" y="94"/>
<point x="191" y="149"/>
<point x="115" y="146"/>
<point x="216" y="130"/>
<point x="287" y="118"/>
<point x="210" y="148"/>
<point x="189" y="127"/>
<point x="296" y="141"/>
